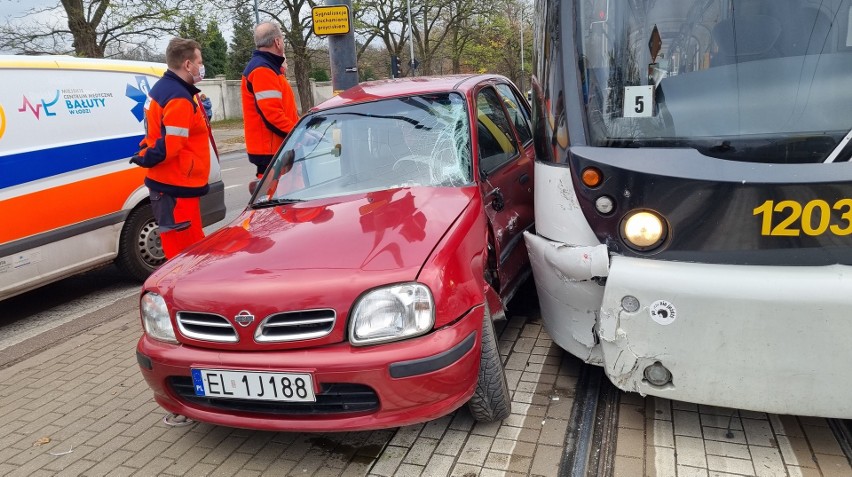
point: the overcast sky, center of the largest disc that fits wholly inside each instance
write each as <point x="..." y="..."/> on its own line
<point x="9" y="9"/>
<point x="15" y="11"/>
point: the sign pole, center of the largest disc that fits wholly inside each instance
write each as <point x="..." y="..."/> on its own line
<point x="413" y="61"/>
<point x="335" y="19"/>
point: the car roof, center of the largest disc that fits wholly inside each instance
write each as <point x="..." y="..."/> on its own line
<point x="380" y="89"/>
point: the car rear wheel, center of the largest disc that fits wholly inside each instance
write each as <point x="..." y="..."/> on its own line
<point x="140" y="251"/>
<point x="491" y="400"/>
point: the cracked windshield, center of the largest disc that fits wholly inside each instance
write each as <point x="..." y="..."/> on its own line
<point x="400" y="142"/>
<point x="754" y="80"/>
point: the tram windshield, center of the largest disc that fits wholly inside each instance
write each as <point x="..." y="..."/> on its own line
<point x="747" y="80"/>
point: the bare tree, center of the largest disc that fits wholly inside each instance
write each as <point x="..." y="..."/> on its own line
<point x="91" y="28"/>
<point x="294" y="16"/>
<point x="468" y="21"/>
<point x="383" y="19"/>
<point x="433" y="21"/>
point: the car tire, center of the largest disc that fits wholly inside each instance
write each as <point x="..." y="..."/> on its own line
<point x="491" y="400"/>
<point x="140" y="251"/>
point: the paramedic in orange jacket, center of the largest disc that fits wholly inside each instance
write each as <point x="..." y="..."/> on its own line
<point x="176" y="148"/>
<point x="269" y="107"/>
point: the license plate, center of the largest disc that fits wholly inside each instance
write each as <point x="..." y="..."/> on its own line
<point x="218" y="383"/>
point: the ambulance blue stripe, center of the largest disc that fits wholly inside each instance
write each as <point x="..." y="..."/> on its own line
<point x="30" y="166"/>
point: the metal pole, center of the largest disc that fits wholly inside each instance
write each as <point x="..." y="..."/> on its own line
<point x="522" y="52"/>
<point x="341" y="50"/>
<point x="256" y="14"/>
<point x="410" y="35"/>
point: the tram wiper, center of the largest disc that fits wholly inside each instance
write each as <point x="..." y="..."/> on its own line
<point x="840" y="147"/>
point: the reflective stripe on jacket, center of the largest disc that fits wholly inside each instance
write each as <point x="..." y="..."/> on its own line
<point x="269" y="106"/>
<point x="176" y="147"/>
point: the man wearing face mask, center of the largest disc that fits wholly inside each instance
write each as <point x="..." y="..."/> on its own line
<point x="269" y="106"/>
<point x="176" y="148"/>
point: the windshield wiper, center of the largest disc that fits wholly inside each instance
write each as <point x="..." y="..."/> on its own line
<point x="274" y="202"/>
<point x="840" y="147"/>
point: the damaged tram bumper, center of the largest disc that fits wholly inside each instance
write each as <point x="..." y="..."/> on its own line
<point x="690" y="327"/>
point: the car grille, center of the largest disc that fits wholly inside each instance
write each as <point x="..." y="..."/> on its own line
<point x="295" y="326"/>
<point x="206" y="327"/>
<point x="334" y="398"/>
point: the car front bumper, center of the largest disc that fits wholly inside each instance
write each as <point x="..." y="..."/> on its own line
<point x="411" y="381"/>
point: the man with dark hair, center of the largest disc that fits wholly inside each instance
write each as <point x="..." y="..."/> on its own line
<point x="176" y="148"/>
<point x="269" y="106"/>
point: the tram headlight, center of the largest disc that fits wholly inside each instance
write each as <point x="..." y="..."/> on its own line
<point x="643" y="230"/>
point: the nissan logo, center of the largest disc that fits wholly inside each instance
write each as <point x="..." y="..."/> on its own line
<point x="244" y="318"/>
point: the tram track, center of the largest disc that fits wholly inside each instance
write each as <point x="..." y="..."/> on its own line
<point x="842" y="430"/>
<point x="591" y="438"/>
<point x="590" y="442"/>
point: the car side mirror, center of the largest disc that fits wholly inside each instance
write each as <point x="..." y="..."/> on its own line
<point x="253" y="186"/>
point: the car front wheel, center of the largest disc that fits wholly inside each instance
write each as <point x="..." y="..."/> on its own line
<point x="491" y="400"/>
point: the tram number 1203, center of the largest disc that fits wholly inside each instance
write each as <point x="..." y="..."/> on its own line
<point x="813" y="218"/>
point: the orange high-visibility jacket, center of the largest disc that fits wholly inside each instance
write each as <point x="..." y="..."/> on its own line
<point x="176" y="148"/>
<point x="269" y="106"/>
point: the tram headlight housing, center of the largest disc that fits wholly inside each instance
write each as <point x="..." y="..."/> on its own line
<point x="643" y="230"/>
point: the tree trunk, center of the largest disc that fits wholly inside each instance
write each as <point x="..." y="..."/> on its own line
<point x="301" y="70"/>
<point x="302" y="66"/>
<point x="456" y="51"/>
<point x="85" y="37"/>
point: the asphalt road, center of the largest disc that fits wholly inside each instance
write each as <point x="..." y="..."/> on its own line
<point x="32" y="314"/>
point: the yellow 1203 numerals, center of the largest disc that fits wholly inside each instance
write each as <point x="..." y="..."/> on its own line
<point x="814" y="218"/>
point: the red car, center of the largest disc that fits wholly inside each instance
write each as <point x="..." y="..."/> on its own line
<point x="358" y="288"/>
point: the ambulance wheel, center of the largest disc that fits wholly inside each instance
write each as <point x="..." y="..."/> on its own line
<point x="491" y="400"/>
<point x="140" y="251"/>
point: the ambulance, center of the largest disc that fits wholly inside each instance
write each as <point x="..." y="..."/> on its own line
<point x="70" y="200"/>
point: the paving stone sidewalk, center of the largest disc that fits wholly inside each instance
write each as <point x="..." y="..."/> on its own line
<point x="82" y="408"/>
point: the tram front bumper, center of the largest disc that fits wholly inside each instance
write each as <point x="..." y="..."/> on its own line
<point x="762" y="338"/>
<point x="569" y="297"/>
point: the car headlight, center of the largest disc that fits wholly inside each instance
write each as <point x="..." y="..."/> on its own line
<point x="392" y="313"/>
<point x="643" y="230"/>
<point x="155" y="318"/>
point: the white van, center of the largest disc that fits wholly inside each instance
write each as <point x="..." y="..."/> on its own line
<point x="69" y="199"/>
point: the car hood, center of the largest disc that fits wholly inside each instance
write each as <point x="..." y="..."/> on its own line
<point x="322" y="253"/>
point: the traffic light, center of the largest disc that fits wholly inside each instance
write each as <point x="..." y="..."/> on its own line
<point x="394" y="66"/>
